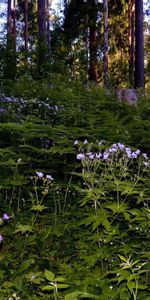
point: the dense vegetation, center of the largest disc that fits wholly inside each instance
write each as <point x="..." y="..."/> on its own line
<point x="74" y="193"/>
<point x="74" y="160"/>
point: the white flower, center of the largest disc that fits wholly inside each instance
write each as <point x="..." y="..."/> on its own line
<point x="145" y="155"/>
<point x="49" y="177"/>
<point x="89" y="153"/>
<point x="85" y="142"/>
<point x="76" y="142"/>
<point x="39" y="174"/>
<point x="80" y="156"/>
<point x="101" y="142"/>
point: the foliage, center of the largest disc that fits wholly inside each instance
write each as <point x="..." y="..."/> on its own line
<point x="72" y="229"/>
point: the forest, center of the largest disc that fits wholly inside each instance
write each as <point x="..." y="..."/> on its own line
<point x="74" y="149"/>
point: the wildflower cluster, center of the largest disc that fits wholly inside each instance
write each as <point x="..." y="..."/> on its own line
<point x="114" y="152"/>
<point x="40" y="175"/>
<point x="19" y="107"/>
<point x="40" y="182"/>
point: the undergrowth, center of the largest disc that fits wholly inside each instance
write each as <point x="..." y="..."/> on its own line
<point x="73" y="228"/>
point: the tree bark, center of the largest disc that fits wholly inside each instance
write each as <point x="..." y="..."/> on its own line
<point x="131" y="39"/>
<point x="139" y="45"/>
<point x="48" y="27"/>
<point x="105" y="60"/>
<point x="93" y="62"/>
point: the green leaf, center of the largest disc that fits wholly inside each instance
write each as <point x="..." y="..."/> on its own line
<point x="62" y="286"/>
<point x="73" y="295"/>
<point x="38" y="207"/>
<point x="7" y="284"/>
<point x="131" y="285"/>
<point x="132" y="277"/>
<point x="123" y="276"/>
<point x="18" y="283"/>
<point x="23" y="229"/>
<point x="122" y="258"/>
<point x="25" y="265"/>
<point x="48" y="288"/>
<point x="49" y="275"/>
<point x="60" y="279"/>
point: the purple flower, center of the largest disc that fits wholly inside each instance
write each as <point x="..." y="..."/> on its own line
<point x="39" y="174"/>
<point x="80" y="156"/>
<point x="121" y="146"/>
<point x="134" y="155"/>
<point x="112" y="150"/>
<point x="105" y="155"/>
<point x="137" y="151"/>
<point x="5" y="217"/>
<point x="2" y="110"/>
<point x="128" y="152"/>
<point x="49" y="177"/>
<point x="91" y="156"/>
<point x="1" y="238"/>
<point x="98" y="155"/>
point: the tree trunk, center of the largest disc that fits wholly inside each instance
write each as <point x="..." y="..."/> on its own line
<point x="105" y="60"/>
<point x="93" y="72"/>
<point x="42" y="34"/>
<point x="11" y="41"/>
<point x="131" y="19"/>
<point x="48" y="27"/>
<point x="93" y="67"/>
<point x="139" y="45"/>
<point x="26" y="30"/>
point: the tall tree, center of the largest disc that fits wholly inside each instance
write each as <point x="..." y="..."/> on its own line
<point x="11" y="40"/>
<point x="93" y="41"/>
<point x="105" y="3"/>
<point x="139" y="45"/>
<point x="42" y="34"/>
<point x="131" y="39"/>
<point x="48" y="25"/>
<point x="26" y="27"/>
